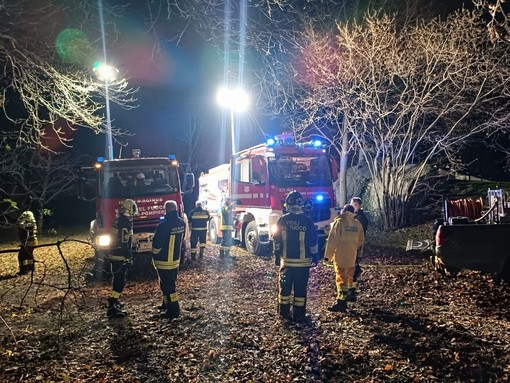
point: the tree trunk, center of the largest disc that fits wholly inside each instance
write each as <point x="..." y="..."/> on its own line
<point x="342" y="175"/>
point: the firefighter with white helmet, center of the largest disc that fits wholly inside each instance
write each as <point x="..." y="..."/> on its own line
<point x="27" y="233"/>
<point x="295" y="249"/>
<point x="120" y="255"/>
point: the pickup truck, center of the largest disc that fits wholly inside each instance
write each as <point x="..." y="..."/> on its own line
<point x="476" y="240"/>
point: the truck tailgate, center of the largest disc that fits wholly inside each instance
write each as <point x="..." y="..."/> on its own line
<point x="475" y="247"/>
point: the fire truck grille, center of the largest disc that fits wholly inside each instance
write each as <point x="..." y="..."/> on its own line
<point x="145" y="225"/>
<point x="320" y="211"/>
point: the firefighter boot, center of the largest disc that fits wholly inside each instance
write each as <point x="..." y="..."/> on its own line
<point x="172" y="311"/>
<point x="339" y="307"/>
<point x="222" y="253"/>
<point x="284" y="311"/>
<point x="351" y="295"/>
<point x="201" y="254"/>
<point x="114" y="310"/>
<point x="193" y="257"/>
<point x="299" y="314"/>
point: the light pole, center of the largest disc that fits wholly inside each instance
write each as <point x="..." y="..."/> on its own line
<point x="107" y="74"/>
<point x="237" y="100"/>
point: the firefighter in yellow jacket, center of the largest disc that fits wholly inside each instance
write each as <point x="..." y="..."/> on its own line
<point x="27" y="233"/>
<point x="345" y="237"/>
<point x="166" y="257"/>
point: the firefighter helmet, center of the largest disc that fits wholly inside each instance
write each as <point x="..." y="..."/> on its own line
<point x="129" y="207"/>
<point x="294" y="198"/>
<point x="26" y="218"/>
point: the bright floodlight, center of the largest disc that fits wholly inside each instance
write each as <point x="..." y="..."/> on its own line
<point x="235" y="99"/>
<point x="105" y="72"/>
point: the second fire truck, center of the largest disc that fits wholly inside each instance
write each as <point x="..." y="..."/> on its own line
<point x="258" y="180"/>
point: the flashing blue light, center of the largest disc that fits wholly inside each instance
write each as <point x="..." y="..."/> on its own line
<point x="171" y="157"/>
<point x="319" y="198"/>
<point x="270" y="142"/>
<point x="317" y="143"/>
<point x="100" y="159"/>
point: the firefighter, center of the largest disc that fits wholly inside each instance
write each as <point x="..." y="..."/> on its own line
<point x="120" y="255"/>
<point x="295" y="249"/>
<point x="360" y="215"/>
<point x="345" y="238"/>
<point x="198" y="219"/>
<point x="166" y="253"/>
<point x="226" y="227"/>
<point x="27" y="233"/>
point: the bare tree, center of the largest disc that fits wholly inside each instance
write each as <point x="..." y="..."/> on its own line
<point x="408" y="94"/>
<point x="35" y="178"/>
<point x="47" y="71"/>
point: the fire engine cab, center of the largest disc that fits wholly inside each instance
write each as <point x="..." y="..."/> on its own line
<point x="259" y="178"/>
<point x="149" y="181"/>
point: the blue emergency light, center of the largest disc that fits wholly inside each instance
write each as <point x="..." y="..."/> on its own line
<point x="270" y="142"/>
<point x="319" y="197"/>
<point x="100" y="159"/>
<point x="172" y="157"/>
<point x="317" y="143"/>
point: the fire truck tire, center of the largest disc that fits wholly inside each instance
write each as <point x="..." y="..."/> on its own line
<point x="252" y="240"/>
<point x="213" y="232"/>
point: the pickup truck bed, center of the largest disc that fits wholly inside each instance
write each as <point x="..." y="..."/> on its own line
<point x="484" y="247"/>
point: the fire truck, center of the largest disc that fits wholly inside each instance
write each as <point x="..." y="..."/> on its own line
<point x="149" y="181"/>
<point x="259" y="178"/>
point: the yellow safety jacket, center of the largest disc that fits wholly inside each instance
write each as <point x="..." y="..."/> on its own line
<point x="344" y="239"/>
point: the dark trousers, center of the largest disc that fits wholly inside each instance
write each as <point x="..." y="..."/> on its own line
<point x="226" y="240"/>
<point x="357" y="273"/>
<point x="197" y="237"/>
<point x="167" y="283"/>
<point x="119" y="270"/>
<point x="26" y="259"/>
<point x="293" y="278"/>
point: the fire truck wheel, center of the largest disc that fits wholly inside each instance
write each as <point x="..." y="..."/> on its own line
<point x="252" y="240"/>
<point x="213" y="232"/>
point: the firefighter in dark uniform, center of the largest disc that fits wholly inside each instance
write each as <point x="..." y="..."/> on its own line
<point x="226" y="227"/>
<point x="166" y="253"/>
<point x="27" y="234"/>
<point x="295" y="249"/>
<point x="120" y="255"/>
<point x="360" y="215"/>
<point x="198" y="219"/>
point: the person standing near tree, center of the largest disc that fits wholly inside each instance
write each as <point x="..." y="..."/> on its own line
<point x="360" y="215"/>
<point x="27" y="234"/>
<point x="296" y="250"/>
<point x="120" y="255"/>
<point x="166" y="254"/>
<point x="344" y="239"/>
<point x="198" y="219"/>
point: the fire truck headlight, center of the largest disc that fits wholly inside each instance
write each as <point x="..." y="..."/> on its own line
<point x="103" y="240"/>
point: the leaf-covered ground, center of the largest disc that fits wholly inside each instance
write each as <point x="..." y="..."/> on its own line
<point x="408" y="325"/>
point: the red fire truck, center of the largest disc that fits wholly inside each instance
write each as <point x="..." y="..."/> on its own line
<point x="259" y="178"/>
<point x="149" y="181"/>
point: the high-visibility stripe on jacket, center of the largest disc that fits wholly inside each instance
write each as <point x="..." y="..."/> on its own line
<point x="227" y="218"/>
<point x="344" y="239"/>
<point x="295" y="240"/>
<point x="167" y="242"/>
<point x="198" y="219"/>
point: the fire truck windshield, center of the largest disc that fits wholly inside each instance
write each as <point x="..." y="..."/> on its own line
<point x="123" y="182"/>
<point x="299" y="171"/>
